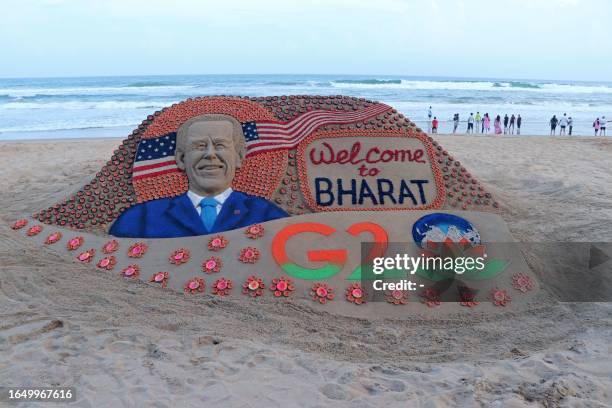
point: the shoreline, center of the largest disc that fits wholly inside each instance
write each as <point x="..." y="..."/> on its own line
<point x="434" y="135"/>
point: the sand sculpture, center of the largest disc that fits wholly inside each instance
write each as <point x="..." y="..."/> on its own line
<point x="316" y="189"/>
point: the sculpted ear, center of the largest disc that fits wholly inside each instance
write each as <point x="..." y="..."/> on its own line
<point x="179" y="157"/>
<point x="240" y="157"/>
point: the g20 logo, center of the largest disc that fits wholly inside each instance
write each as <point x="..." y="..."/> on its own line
<point x="335" y="259"/>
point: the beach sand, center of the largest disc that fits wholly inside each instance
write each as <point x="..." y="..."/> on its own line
<point x="124" y="343"/>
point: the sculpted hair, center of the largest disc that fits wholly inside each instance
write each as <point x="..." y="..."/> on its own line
<point x="238" y="136"/>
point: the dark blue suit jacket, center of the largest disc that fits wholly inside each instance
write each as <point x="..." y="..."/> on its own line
<point x="177" y="217"/>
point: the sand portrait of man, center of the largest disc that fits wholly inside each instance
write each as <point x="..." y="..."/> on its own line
<point x="209" y="149"/>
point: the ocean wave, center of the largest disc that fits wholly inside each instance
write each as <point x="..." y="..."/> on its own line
<point x="88" y="91"/>
<point x="146" y="84"/>
<point x="498" y="86"/>
<point x="80" y="105"/>
<point x="367" y="81"/>
<point x="528" y="85"/>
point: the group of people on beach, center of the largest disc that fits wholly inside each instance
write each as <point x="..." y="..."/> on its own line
<point x="563" y="122"/>
<point x="599" y="125"/>
<point x="482" y="123"/>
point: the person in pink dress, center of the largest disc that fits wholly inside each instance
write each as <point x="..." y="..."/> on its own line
<point x="486" y="123"/>
<point x="497" y="125"/>
<point x="596" y="126"/>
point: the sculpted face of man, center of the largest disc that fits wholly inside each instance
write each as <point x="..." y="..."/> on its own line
<point x="208" y="152"/>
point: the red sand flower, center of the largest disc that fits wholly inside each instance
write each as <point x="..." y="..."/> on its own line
<point x="35" y="230"/>
<point x="355" y="293"/>
<point x="107" y="263"/>
<point x="179" y="257"/>
<point x="500" y="297"/>
<point x="282" y="286"/>
<point x="87" y="256"/>
<point x="249" y="255"/>
<point x="161" y="278"/>
<point x="195" y="285"/>
<point x="467" y="297"/>
<point x="131" y="271"/>
<point x="137" y="250"/>
<point x="396" y="297"/>
<point x="74" y="243"/>
<point x="255" y="231"/>
<point x="53" y="238"/>
<point x="321" y="292"/>
<point x="522" y="282"/>
<point x="217" y="243"/>
<point x="19" y="224"/>
<point x="431" y="297"/>
<point x="212" y="265"/>
<point x="110" y="247"/>
<point x="253" y="286"/>
<point x="222" y="287"/>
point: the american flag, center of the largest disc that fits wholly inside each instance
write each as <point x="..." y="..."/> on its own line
<point x="156" y="156"/>
<point x="266" y="136"/>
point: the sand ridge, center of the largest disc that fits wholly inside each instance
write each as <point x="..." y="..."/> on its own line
<point x="127" y="344"/>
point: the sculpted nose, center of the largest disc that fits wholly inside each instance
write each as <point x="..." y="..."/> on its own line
<point x="210" y="152"/>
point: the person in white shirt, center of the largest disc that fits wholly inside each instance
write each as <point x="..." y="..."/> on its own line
<point x="602" y="126"/>
<point x="563" y="124"/>
<point x="429" y="115"/>
<point x="470" y="124"/>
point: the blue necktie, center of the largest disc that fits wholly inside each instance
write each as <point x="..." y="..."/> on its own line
<point x="208" y="215"/>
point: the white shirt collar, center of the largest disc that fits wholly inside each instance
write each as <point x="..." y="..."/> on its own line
<point x="196" y="198"/>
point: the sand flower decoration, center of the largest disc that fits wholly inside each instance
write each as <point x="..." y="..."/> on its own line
<point x="253" y="286"/>
<point x="217" y="243"/>
<point x="321" y="292"/>
<point x="35" y="230"/>
<point x="255" y="231"/>
<point x="212" y="265"/>
<point x="53" y="238"/>
<point x="396" y="297"/>
<point x="19" y="224"/>
<point x="522" y="282"/>
<point x="131" y="271"/>
<point x="431" y="297"/>
<point x="195" y="285"/>
<point x="222" y="287"/>
<point x="500" y="297"/>
<point x="467" y="296"/>
<point x="282" y="286"/>
<point x="249" y="255"/>
<point x="74" y="243"/>
<point x="179" y="257"/>
<point x="137" y="250"/>
<point x="160" y="278"/>
<point x="87" y="256"/>
<point x="107" y="263"/>
<point x="355" y="294"/>
<point x="110" y="247"/>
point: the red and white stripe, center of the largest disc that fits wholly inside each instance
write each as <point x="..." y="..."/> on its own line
<point x="286" y="135"/>
<point x="152" y="168"/>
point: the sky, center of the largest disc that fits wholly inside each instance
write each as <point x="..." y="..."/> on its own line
<point x="531" y="39"/>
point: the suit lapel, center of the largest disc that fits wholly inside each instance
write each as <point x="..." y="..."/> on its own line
<point x="182" y="211"/>
<point x="232" y="212"/>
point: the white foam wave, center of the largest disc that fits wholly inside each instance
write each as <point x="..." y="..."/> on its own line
<point x="78" y="105"/>
<point x="84" y="91"/>
<point x="501" y="86"/>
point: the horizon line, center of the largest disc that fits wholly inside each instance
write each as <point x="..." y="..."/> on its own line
<point x="303" y="74"/>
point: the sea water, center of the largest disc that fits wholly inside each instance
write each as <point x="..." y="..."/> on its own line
<point x="35" y="108"/>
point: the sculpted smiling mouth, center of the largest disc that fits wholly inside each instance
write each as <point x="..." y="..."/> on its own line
<point x="209" y="167"/>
